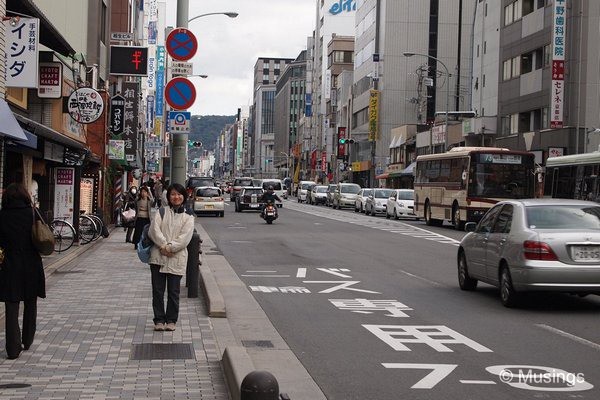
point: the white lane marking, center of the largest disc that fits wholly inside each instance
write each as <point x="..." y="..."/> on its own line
<point x="266" y="276"/>
<point x="301" y="273"/>
<point x="242" y="241"/>
<point x="261" y="272"/>
<point x="578" y="339"/>
<point x="398" y="227"/>
<point x="434" y="283"/>
<point x="474" y="382"/>
<point x="236" y="227"/>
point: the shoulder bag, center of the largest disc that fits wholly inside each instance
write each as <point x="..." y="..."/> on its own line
<point x="41" y="235"/>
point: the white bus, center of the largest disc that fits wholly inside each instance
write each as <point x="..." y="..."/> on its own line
<point x="573" y="177"/>
<point x="461" y="185"/>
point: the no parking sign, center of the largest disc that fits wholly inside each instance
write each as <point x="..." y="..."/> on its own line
<point x="180" y="93"/>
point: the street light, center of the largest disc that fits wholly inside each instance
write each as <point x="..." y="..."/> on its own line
<point x="230" y="14"/>
<point x="410" y="54"/>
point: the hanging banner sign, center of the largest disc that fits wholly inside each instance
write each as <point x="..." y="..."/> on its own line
<point x="50" y="80"/>
<point x="557" y="90"/>
<point x="117" y="114"/>
<point x="85" y="105"/>
<point x="64" y="193"/>
<point x="374" y="115"/>
<point x="160" y="80"/>
<point x="22" y="47"/>
<point x="116" y="149"/>
<point x="130" y="129"/>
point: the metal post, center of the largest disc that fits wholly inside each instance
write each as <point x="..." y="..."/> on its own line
<point x="179" y="142"/>
<point x="192" y="270"/>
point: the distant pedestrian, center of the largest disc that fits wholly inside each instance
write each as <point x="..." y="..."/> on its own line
<point x="142" y="214"/>
<point x="158" y="190"/>
<point x="171" y="234"/>
<point x="129" y="204"/>
<point x="21" y="273"/>
<point x="163" y="197"/>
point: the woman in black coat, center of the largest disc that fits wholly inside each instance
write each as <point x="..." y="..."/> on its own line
<point x="22" y="273"/>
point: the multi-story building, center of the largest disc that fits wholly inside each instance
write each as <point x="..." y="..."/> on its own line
<point x="266" y="73"/>
<point x="386" y="91"/>
<point x="548" y="72"/>
<point x="289" y="106"/>
<point x="333" y="17"/>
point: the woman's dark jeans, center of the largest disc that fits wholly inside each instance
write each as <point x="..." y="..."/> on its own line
<point x="172" y="283"/>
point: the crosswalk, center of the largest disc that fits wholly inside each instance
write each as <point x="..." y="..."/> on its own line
<point x="379" y="223"/>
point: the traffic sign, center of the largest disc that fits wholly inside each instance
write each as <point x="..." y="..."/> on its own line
<point x="179" y="121"/>
<point x="181" y="44"/>
<point x="182" y="68"/>
<point x="180" y="93"/>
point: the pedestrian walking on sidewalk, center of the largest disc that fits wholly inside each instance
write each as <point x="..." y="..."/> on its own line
<point x="171" y="233"/>
<point x="21" y="273"/>
<point x="142" y="214"/>
<point x="129" y="204"/>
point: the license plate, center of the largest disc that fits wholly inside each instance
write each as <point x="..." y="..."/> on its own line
<point x="254" y="205"/>
<point x="209" y="206"/>
<point x="585" y="253"/>
<point x="271" y="214"/>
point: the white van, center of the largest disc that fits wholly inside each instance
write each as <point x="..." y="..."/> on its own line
<point x="278" y="187"/>
<point x="303" y="187"/>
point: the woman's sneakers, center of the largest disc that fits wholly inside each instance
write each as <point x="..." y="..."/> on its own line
<point x="159" y="326"/>
<point x="170" y="327"/>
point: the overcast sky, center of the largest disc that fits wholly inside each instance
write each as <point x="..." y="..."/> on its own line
<point x="229" y="47"/>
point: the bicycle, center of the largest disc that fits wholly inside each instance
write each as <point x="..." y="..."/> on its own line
<point x="65" y="234"/>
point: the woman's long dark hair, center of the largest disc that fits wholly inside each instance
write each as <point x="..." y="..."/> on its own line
<point x="15" y="193"/>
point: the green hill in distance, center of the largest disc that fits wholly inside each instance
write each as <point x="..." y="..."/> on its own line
<point x="206" y="128"/>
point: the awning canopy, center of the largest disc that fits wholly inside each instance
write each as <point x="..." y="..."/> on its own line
<point x="9" y="126"/>
<point x="408" y="171"/>
<point x="42" y="130"/>
<point x="49" y="35"/>
<point x="382" y="176"/>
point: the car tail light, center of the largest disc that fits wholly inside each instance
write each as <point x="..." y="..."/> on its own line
<point x="218" y="199"/>
<point x="533" y="250"/>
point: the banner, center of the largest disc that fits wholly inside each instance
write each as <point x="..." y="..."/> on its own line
<point x="374" y="115"/>
<point x="130" y="128"/>
<point x="22" y="46"/>
<point x="64" y="193"/>
<point x="160" y="80"/>
<point x="557" y="90"/>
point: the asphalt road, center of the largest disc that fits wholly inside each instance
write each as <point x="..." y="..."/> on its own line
<point x="372" y="309"/>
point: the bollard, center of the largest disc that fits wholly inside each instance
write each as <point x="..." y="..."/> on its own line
<point x="259" y="385"/>
<point x="193" y="270"/>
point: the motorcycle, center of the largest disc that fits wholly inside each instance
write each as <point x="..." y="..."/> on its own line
<point x="269" y="213"/>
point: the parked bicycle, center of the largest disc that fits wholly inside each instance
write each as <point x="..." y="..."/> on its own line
<point x="90" y="229"/>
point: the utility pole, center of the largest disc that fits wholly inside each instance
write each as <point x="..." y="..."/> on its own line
<point x="375" y="87"/>
<point x="179" y="140"/>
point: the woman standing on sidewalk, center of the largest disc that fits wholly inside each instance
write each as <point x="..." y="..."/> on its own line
<point x="171" y="233"/>
<point x="142" y="214"/>
<point x="21" y="273"/>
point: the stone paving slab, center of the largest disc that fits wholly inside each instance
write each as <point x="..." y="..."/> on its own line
<point x="98" y="307"/>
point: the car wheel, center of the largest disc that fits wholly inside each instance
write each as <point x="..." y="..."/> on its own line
<point x="465" y="282"/>
<point x="508" y="294"/>
<point x="458" y="224"/>
<point x="428" y="220"/>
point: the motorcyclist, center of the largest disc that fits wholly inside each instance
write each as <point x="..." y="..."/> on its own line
<point x="269" y="197"/>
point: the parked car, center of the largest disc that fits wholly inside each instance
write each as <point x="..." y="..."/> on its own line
<point x="377" y="201"/>
<point x="318" y="194"/>
<point x="238" y="184"/>
<point x="330" y="190"/>
<point x="303" y="187"/>
<point x="533" y="245"/>
<point x="209" y="200"/>
<point x="345" y="195"/>
<point x="361" y="199"/>
<point x="249" y="199"/>
<point x="401" y="204"/>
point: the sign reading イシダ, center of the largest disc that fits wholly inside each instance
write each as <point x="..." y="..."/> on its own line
<point x="85" y="105"/>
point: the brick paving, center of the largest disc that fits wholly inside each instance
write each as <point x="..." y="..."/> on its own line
<point x="97" y="308"/>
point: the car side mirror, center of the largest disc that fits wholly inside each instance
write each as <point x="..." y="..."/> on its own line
<point x="470" y="227"/>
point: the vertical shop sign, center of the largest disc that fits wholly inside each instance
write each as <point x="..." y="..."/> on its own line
<point x="559" y="22"/>
<point x="22" y="48"/>
<point x="341" y="146"/>
<point x="130" y="128"/>
<point x="64" y="193"/>
<point x="160" y="80"/>
<point x="50" y="80"/>
<point x="374" y="115"/>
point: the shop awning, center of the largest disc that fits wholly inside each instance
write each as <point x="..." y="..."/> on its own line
<point x="42" y="130"/>
<point x="408" y="171"/>
<point x="49" y="35"/>
<point x="9" y="126"/>
<point x="382" y="176"/>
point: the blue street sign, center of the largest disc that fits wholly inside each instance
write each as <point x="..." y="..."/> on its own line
<point x="179" y="121"/>
<point x="180" y="93"/>
<point x="181" y="44"/>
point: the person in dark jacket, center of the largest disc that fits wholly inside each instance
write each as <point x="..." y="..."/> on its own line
<point x="142" y="216"/>
<point x="22" y="273"/>
<point x="129" y="203"/>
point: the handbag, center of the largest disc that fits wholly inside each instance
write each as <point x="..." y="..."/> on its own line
<point x="145" y="244"/>
<point x="128" y="215"/>
<point x="41" y="235"/>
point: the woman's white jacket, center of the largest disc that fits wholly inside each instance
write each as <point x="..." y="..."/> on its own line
<point x="174" y="230"/>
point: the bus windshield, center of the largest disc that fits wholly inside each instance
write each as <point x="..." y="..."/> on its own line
<point x="495" y="177"/>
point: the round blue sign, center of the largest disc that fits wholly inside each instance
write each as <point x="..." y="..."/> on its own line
<point x="181" y="44"/>
<point x="180" y="93"/>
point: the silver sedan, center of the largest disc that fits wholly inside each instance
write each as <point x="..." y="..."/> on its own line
<point x="533" y="245"/>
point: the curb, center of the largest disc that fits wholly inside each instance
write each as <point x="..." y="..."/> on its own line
<point x="214" y="298"/>
<point x="236" y="365"/>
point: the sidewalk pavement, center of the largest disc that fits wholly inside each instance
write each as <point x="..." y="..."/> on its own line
<point x="95" y="337"/>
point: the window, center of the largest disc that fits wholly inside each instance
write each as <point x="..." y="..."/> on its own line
<point x="545" y="118"/>
<point x="527" y="63"/>
<point x="504" y="220"/>
<point x="506" y="70"/>
<point x="516" y="66"/>
<point x="547" y="55"/>
<point x="518" y="10"/>
<point x="508" y="14"/>
<point x="514" y="123"/>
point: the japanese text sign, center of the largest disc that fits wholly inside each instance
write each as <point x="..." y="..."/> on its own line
<point x="50" y="80"/>
<point x="559" y="21"/>
<point x="129" y="60"/>
<point x="117" y="114"/>
<point x="85" y="105"/>
<point x="130" y="129"/>
<point x="22" y="48"/>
